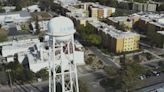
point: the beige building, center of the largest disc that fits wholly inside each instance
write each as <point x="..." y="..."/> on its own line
<point x="98" y="11"/>
<point x="94" y="12"/>
<point x="116" y="40"/>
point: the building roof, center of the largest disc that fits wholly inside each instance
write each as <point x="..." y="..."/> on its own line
<point x="111" y="30"/>
<point x="13" y="31"/>
<point x="153" y="18"/>
<point x="21" y="13"/>
<point x="117" y="19"/>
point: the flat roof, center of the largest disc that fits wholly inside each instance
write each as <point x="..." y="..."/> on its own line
<point x="120" y="18"/>
<point x="111" y="30"/>
<point x="21" y="13"/>
<point x="152" y="18"/>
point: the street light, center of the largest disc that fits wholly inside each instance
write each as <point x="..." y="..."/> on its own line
<point x="9" y="70"/>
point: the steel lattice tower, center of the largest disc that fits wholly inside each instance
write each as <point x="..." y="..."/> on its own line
<point x="62" y="66"/>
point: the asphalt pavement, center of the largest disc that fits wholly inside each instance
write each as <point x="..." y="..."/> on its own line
<point x="34" y="87"/>
<point x="104" y="58"/>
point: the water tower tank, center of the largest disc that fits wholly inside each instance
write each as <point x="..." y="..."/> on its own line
<point x="62" y="28"/>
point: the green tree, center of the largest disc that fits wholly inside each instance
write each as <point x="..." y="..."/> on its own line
<point x="128" y="77"/>
<point x="161" y="7"/>
<point x="3" y="35"/>
<point x="94" y="39"/>
<point x="83" y="87"/>
<point x="45" y="4"/>
<point x="111" y="71"/>
<point x="19" y="4"/>
<point x="43" y="74"/>
<point x="161" y="64"/>
<point x="125" y="78"/>
<point x="29" y="75"/>
<point x="18" y="7"/>
<point x="19" y="73"/>
<point x="37" y="27"/>
<point x="1" y="10"/>
<point x="89" y="34"/>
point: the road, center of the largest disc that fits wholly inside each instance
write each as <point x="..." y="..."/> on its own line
<point x="91" y="78"/>
<point x="35" y="87"/>
<point x="152" y="61"/>
<point x="104" y="58"/>
<point x="152" y="83"/>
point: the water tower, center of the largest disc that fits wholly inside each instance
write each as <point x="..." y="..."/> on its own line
<point x="62" y="67"/>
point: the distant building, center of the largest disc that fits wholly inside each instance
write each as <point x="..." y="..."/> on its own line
<point x="14" y="17"/>
<point x="42" y="25"/>
<point x="137" y="6"/>
<point x="8" y="8"/>
<point x="99" y="11"/>
<point x="116" y="40"/>
<point x="33" y="53"/>
<point x="144" y="6"/>
<point x="9" y="49"/>
<point x="121" y="21"/>
<point x="149" y="24"/>
<point x="42" y="18"/>
<point x="78" y="19"/>
<point x="66" y="2"/>
<point x="32" y="8"/>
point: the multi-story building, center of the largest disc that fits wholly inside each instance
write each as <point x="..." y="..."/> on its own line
<point x="79" y="19"/>
<point x="116" y="40"/>
<point x="14" y="17"/>
<point x="144" y="6"/>
<point x="33" y="53"/>
<point x="66" y="2"/>
<point x="101" y="12"/>
<point x="122" y="21"/>
<point x="98" y="11"/>
<point x="42" y="18"/>
<point x="150" y="24"/>
<point x="94" y="12"/>
<point x="32" y="8"/>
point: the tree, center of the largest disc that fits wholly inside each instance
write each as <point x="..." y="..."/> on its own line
<point x="3" y="35"/>
<point x="161" y="7"/>
<point x="94" y="39"/>
<point x="45" y="4"/>
<point x="18" y="7"/>
<point x="140" y="1"/>
<point x="83" y="87"/>
<point x="29" y="75"/>
<point x="19" y="73"/>
<point x="1" y="10"/>
<point x="111" y="71"/>
<point x="19" y="4"/>
<point x="43" y="74"/>
<point x="161" y="64"/>
<point x="89" y="61"/>
<point x="125" y="78"/>
<point x="89" y="34"/>
<point x="37" y="27"/>
<point x="128" y="77"/>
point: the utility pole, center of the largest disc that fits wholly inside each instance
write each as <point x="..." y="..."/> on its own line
<point x="9" y="70"/>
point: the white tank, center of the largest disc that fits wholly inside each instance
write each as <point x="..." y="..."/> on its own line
<point x="62" y="28"/>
